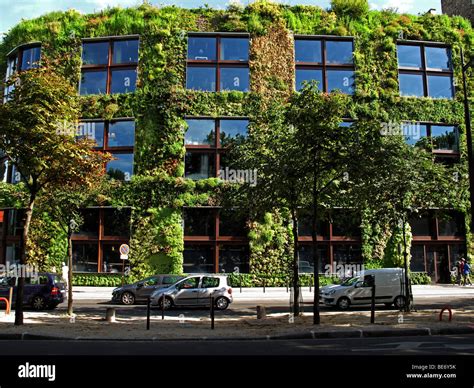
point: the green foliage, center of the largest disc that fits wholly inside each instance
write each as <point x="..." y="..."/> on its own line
<point x="419" y="278"/>
<point x="394" y="250"/>
<point x="237" y="280"/>
<point x="353" y="8"/>
<point x="100" y="280"/>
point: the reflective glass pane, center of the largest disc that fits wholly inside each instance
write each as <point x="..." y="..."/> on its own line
<point x="201" y="78"/>
<point x="93" y="82"/>
<point x="233" y="131"/>
<point x="111" y="261"/>
<point x="84" y="257"/>
<point x="95" y="53"/>
<point x="11" y="66"/>
<point x="123" y="81"/>
<point x="451" y="225"/>
<point x="306" y="262"/>
<point x="409" y="56"/>
<point x="420" y="226"/>
<point x="417" y="262"/>
<point x="445" y="137"/>
<point x="121" y="168"/>
<point x="234" y="49"/>
<point x="30" y="58"/>
<point x="233" y="258"/>
<point x="198" y="259"/>
<point x="234" y="78"/>
<point x="415" y="133"/>
<point x="117" y="222"/>
<point x="90" y="223"/>
<point x="200" y="132"/>
<point x="199" y="165"/>
<point x="201" y="48"/>
<point x="411" y="85"/>
<point x="342" y="80"/>
<point x="308" y="75"/>
<point x="199" y="222"/>
<point x="440" y="87"/>
<point x="125" y="51"/>
<point x="438" y="58"/>
<point x="121" y="134"/>
<point x="232" y="223"/>
<point x="339" y="52"/>
<point x="308" y="51"/>
<point x="92" y="130"/>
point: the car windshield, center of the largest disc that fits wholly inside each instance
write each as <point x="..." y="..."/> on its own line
<point x="350" y="281"/>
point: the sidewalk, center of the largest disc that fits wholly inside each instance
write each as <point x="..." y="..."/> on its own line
<point x="280" y="293"/>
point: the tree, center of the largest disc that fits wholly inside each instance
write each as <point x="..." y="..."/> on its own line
<point x="395" y="181"/>
<point x="37" y="135"/>
<point x="328" y="155"/>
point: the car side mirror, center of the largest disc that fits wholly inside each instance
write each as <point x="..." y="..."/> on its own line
<point x="139" y="285"/>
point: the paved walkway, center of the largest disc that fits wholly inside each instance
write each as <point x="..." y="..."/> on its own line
<point x="279" y="293"/>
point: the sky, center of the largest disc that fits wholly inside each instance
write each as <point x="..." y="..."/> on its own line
<point x="12" y="11"/>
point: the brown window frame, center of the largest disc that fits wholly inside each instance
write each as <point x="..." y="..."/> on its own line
<point x="217" y="63"/>
<point x="110" y="66"/>
<point x="216" y="150"/>
<point x="323" y="65"/>
<point x="425" y="71"/>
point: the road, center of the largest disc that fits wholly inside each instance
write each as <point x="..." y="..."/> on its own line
<point x="414" y="346"/>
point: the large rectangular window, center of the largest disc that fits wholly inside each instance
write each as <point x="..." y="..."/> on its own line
<point x="109" y="65"/>
<point x="218" y="62"/>
<point x="206" y="143"/>
<point x="440" y="138"/>
<point x="116" y="137"/>
<point x="326" y="60"/>
<point x="425" y="70"/>
<point x="22" y="58"/>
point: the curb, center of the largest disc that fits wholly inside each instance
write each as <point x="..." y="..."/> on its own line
<point x="330" y="334"/>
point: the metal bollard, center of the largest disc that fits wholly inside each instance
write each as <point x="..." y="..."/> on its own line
<point x="10" y="297"/>
<point x="163" y="307"/>
<point x="212" y="313"/>
<point x="264" y="285"/>
<point x="148" y="308"/>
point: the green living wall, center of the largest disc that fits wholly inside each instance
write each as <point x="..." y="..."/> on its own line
<point x="158" y="190"/>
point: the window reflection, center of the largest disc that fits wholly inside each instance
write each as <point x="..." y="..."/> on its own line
<point x="234" y="78"/>
<point x="438" y="58"/>
<point x="445" y="137"/>
<point x="342" y="80"/>
<point x="233" y="131"/>
<point x="308" y="75"/>
<point x="121" y="134"/>
<point x="202" y="48"/>
<point x="199" y="165"/>
<point x="201" y="78"/>
<point x="93" y="82"/>
<point x="440" y="86"/>
<point x="121" y="168"/>
<point x="95" y="53"/>
<point x="30" y="58"/>
<point x="125" y="51"/>
<point x="308" y="51"/>
<point x="123" y="81"/>
<point x="411" y="85"/>
<point x="409" y="56"/>
<point x="200" y="132"/>
<point x="339" y="52"/>
<point x="234" y="49"/>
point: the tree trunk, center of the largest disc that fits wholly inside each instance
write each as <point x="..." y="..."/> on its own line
<point x="314" y="219"/>
<point x="21" y="279"/>
<point x="69" y="272"/>
<point x="296" y="282"/>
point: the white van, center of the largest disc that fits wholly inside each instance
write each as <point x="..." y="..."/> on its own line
<point x="389" y="289"/>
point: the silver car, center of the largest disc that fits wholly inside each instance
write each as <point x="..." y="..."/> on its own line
<point x="195" y="290"/>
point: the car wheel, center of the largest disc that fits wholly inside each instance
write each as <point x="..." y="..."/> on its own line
<point x="221" y="303"/>
<point x="38" y="302"/>
<point x="343" y="303"/>
<point x="399" y="302"/>
<point x="127" y="298"/>
<point x="168" y="303"/>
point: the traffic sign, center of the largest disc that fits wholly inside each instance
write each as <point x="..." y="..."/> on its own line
<point x="124" y="249"/>
<point x="124" y="257"/>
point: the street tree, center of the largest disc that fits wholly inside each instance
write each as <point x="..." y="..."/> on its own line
<point x="37" y="134"/>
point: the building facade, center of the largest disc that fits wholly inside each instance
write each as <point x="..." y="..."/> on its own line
<point x="464" y="8"/>
<point x="167" y="90"/>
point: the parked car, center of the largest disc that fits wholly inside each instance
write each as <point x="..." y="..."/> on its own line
<point x="195" y="291"/>
<point x="141" y="290"/>
<point x="389" y="289"/>
<point x="45" y="291"/>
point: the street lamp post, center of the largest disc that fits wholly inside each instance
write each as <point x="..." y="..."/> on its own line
<point x="467" y="118"/>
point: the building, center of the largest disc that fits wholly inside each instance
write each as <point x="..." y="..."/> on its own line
<point x="165" y="69"/>
<point x="464" y="8"/>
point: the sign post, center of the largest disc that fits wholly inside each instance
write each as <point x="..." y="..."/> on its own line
<point x="124" y="251"/>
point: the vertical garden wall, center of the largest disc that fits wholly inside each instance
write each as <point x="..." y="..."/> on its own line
<point x="158" y="191"/>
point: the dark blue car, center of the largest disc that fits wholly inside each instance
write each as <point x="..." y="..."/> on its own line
<point x="44" y="291"/>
